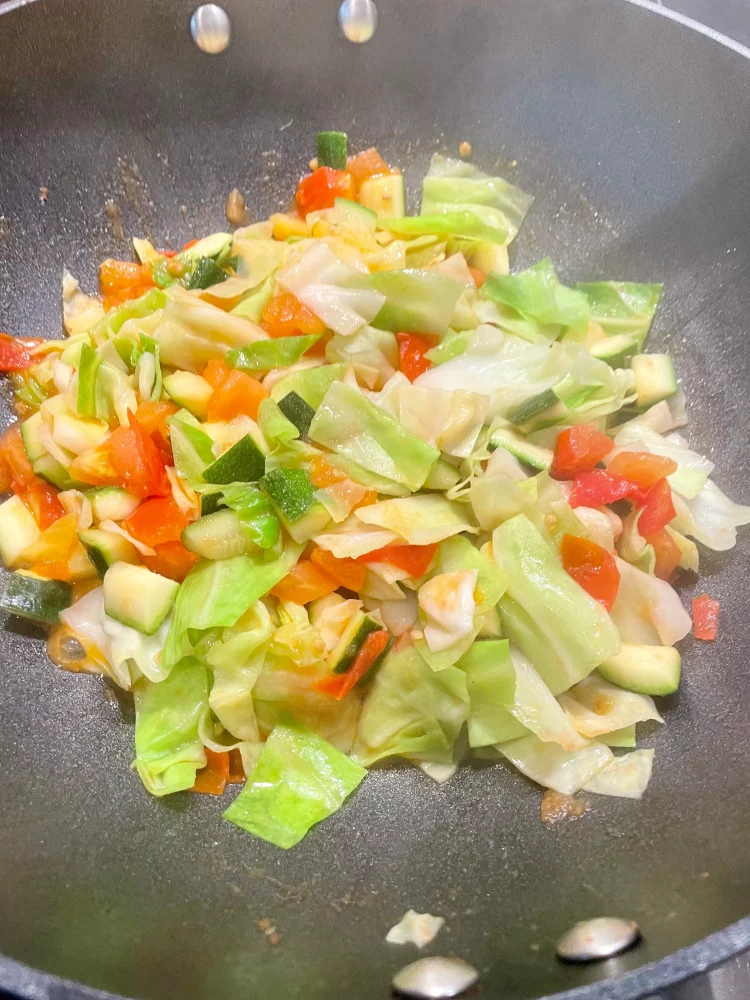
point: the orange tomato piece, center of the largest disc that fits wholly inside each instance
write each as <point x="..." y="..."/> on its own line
<point x="323" y="474"/>
<point x="592" y="568"/>
<point x="667" y="553"/>
<point x="153" y="416"/>
<point x="479" y="276"/>
<point x="212" y="779"/>
<point x="412" y="348"/>
<point x="15" y="353"/>
<point x="705" y="617"/>
<point x="50" y="554"/>
<point x="641" y="467"/>
<point x="347" y="572"/>
<point x="306" y="582"/>
<point x="41" y="499"/>
<point x="122" y="280"/>
<point x="136" y="461"/>
<point x="368" y="163"/>
<point x="321" y="188"/>
<point x="412" y="559"/>
<point x="170" y="559"/>
<point x="156" y="521"/>
<point x="285" y="316"/>
<point x="216" y="372"/>
<point x="236" y="768"/>
<point x="238" y="393"/>
<point x="15" y="462"/>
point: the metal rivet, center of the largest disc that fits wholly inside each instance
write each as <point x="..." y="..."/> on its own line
<point x="358" y="20"/>
<point x="72" y="648"/>
<point x="435" y="978"/>
<point x="210" y="28"/>
<point x="594" y="940"/>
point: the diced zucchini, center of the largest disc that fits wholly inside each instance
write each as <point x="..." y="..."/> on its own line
<point x="532" y="407"/>
<point x="365" y="216"/>
<point x="384" y="195"/>
<point x="293" y="496"/>
<point x="18" y="530"/>
<point x="211" y="502"/>
<point x="442" y="476"/>
<point x="490" y="257"/>
<point x="30" y="436"/>
<point x="48" y="468"/>
<point x="206" y="273"/>
<point x="189" y="390"/>
<point x="343" y="653"/>
<point x="137" y="597"/>
<point x="78" y="434"/>
<point x="35" y="598"/>
<point x="654" y="378"/>
<point x="644" y="669"/>
<point x="520" y="448"/>
<point x="210" y="246"/>
<point x="244" y="462"/>
<point x="216" y="536"/>
<point x="111" y="503"/>
<point x="332" y="149"/>
<point x="298" y="411"/>
<point x="105" y="548"/>
<point x="617" y="351"/>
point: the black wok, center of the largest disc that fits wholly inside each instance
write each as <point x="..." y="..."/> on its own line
<point x="632" y="132"/>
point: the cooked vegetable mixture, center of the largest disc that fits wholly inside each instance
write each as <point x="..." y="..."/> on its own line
<point x="338" y="487"/>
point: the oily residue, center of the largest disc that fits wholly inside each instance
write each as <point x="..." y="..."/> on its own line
<point x="114" y="218"/>
<point x="558" y="808"/>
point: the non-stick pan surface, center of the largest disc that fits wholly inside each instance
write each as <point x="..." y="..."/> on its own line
<point x="632" y="133"/>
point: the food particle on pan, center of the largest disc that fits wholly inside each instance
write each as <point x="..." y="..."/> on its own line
<point x="268" y="929"/>
<point x="464" y="149"/>
<point x="364" y="477"/>
<point x="43" y="195"/>
<point x="415" y="928"/>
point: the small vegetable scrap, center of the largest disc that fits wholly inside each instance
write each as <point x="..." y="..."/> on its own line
<point x="557" y="808"/>
<point x="415" y="928"/>
<point x="338" y="487"/>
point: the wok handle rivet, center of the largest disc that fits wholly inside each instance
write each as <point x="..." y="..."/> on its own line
<point x="597" y="939"/>
<point x="435" y="978"/>
<point x="358" y="20"/>
<point x="210" y="28"/>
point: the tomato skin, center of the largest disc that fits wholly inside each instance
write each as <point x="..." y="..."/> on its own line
<point x="156" y="521"/>
<point x="368" y="163"/>
<point x="304" y="583"/>
<point x="592" y="568"/>
<point x="338" y="686"/>
<point x="216" y="372"/>
<point x="578" y="449"/>
<point x="412" y="559"/>
<point x="239" y="393"/>
<point x="347" y="572"/>
<point x="15" y="467"/>
<point x="122" y="280"/>
<point x="595" y="487"/>
<point x="285" y="316"/>
<point x="641" y="467"/>
<point x="658" y="509"/>
<point x="322" y="187"/>
<point x="705" y="617"/>
<point x="171" y="559"/>
<point x="212" y="779"/>
<point x="15" y="353"/>
<point x="412" y="348"/>
<point x="667" y="553"/>
<point x="41" y="499"/>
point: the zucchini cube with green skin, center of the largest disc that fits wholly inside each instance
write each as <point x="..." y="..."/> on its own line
<point x="298" y="411"/>
<point x="293" y="497"/>
<point x="190" y="391"/>
<point x="111" y="503"/>
<point x="105" y="548"/>
<point x="617" y="351"/>
<point x="18" y="530"/>
<point x="216" y="536"/>
<point x="653" y="670"/>
<point x="654" y="378"/>
<point x="352" y="639"/>
<point x="135" y="596"/>
<point x="244" y="462"/>
<point x="531" y="454"/>
<point x="35" y="598"/>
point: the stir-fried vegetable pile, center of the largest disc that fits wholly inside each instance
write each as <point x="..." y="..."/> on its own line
<point x="338" y="487"/>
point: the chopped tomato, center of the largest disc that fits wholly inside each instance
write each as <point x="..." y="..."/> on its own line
<point x="641" y="467"/>
<point x="338" y="686"/>
<point x="122" y="280"/>
<point x="236" y="768"/>
<point x="368" y="163"/>
<point x="153" y="416"/>
<point x="285" y="316"/>
<point x="592" y="568"/>
<point x="412" y="559"/>
<point x="41" y="499"/>
<point x="578" y="449"/>
<point x="51" y="553"/>
<point x="238" y="393"/>
<point x="323" y="474"/>
<point x="321" y="188"/>
<point x="306" y="582"/>
<point x="347" y="572"/>
<point x="705" y="617"/>
<point x="479" y="276"/>
<point x="412" y="348"/>
<point x="95" y="467"/>
<point x="212" y="779"/>
<point x="667" y="553"/>
<point x="137" y="461"/>
<point x="216" y="372"/>
<point x="15" y="467"/>
<point x="597" y="487"/>
<point x="156" y="521"/>
<point x="190" y="243"/>
<point x="15" y="353"/>
<point x="658" y="509"/>
<point x="170" y="559"/>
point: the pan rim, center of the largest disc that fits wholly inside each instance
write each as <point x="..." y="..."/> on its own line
<point x="22" y="980"/>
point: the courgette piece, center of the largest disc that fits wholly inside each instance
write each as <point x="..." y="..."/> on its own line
<point x="244" y="462"/>
<point x="532" y="407"/>
<point x="105" y="548"/>
<point x="293" y="496"/>
<point x="36" y="599"/>
<point x="332" y="149"/>
<point x="189" y="390"/>
<point x="137" y="597"/>
<point x="18" y="530"/>
<point x="298" y="411"/>
<point x="206" y="273"/>
<point x="654" y="378"/>
<point x="48" y="468"/>
<point x="520" y="448"/>
<point x="78" y="434"/>
<point x="30" y="435"/>
<point x="211" y="502"/>
<point x="651" y="670"/>
<point x="216" y="536"/>
<point x="384" y="195"/>
<point x="210" y="246"/>
<point x="352" y="638"/>
<point x="617" y="351"/>
<point x="111" y="503"/>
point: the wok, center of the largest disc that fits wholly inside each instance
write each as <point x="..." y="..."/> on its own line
<point x="631" y="130"/>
